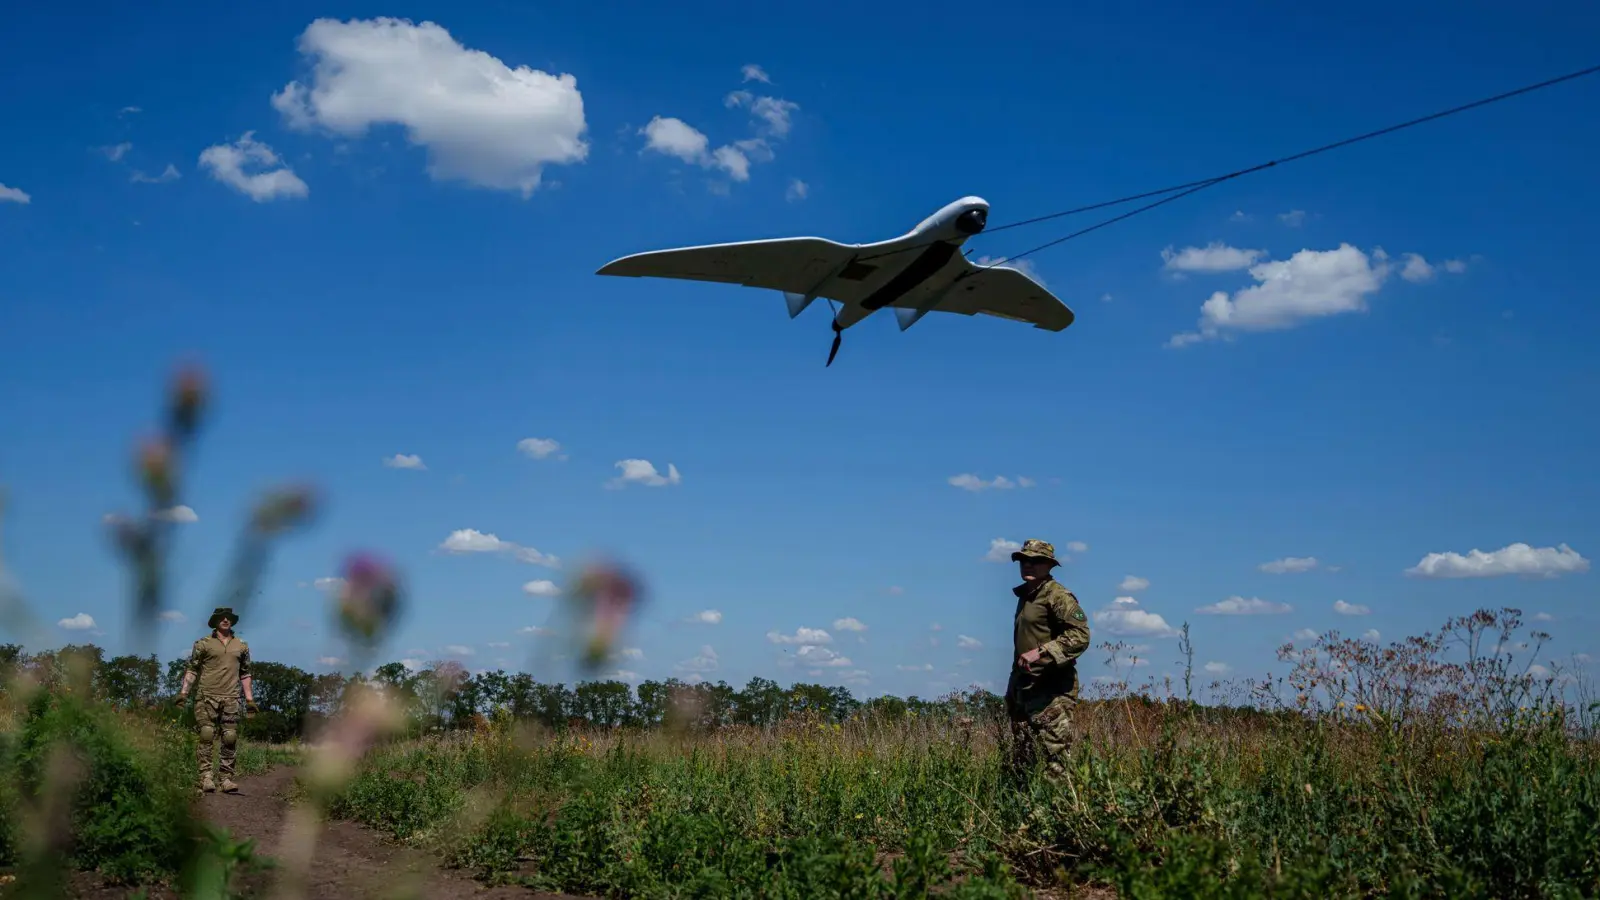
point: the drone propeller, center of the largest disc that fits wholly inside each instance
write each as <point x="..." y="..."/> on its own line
<point x="838" y="338"/>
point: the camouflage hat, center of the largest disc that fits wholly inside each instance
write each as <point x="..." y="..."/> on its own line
<point x="220" y="612"/>
<point x="1036" y="549"/>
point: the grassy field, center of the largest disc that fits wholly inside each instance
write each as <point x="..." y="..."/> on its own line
<point x="1163" y="799"/>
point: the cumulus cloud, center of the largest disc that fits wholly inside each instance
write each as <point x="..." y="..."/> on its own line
<point x="1124" y="618"/>
<point x="1133" y="584"/>
<point x="1077" y="546"/>
<point x="535" y="630"/>
<point x="753" y="72"/>
<point x="471" y="540"/>
<point x="816" y="655"/>
<point x="1294" y="218"/>
<point x="404" y="461"/>
<point x="1417" y="269"/>
<point x="170" y="173"/>
<point x="458" y="650"/>
<point x="924" y="667"/>
<point x="1350" y="609"/>
<point x="707" y="617"/>
<point x="1289" y="565"/>
<point x="540" y="448"/>
<point x="227" y="163"/>
<point x="116" y="152"/>
<point x="181" y="514"/>
<point x="968" y="643"/>
<point x="797" y="190"/>
<point x="1000" y="550"/>
<point x="642" y="471"/>
<point x="704" y="661"/>
<point x="1371" y="634"/>
<point x="1218" y="668"/>
<point x="1214" y="257"/>
<point x="969" y="482"/>
<point x="801" y="635"/>
<point x="1512" y="559"/>
<point x="172" y="615"/>
<point x="772" y="116"/>
<point x="1245" y="606"/>
<point x="848" y="624"/>
<point x="1311" y="284"/>
<point x="480" y="121"/>
<point x="13" y="195"/>
<point x="79" y="622"/>
<point x="329" y="584"/>
<point x="542" y="587"/>
<point x="1305" y="634"/>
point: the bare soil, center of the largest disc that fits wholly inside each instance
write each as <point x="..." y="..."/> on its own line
<point x="351" y="862"/>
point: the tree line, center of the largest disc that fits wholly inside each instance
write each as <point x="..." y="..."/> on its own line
<point x="443" y="695"/>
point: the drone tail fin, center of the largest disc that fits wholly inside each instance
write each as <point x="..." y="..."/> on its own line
<point x="797" y="302"/>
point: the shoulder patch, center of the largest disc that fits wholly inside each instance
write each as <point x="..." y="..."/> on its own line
<point x="1077" y="612"/>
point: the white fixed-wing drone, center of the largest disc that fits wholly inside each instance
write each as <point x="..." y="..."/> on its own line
<point x="921" y="271"/>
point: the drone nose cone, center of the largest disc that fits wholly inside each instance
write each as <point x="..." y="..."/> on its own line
<point x="972" y="221"/>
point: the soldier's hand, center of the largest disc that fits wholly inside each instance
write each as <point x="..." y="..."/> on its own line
<point x="180" y="700"/>
<point x="250" y="709"/>
<point x="1027" y="660"/>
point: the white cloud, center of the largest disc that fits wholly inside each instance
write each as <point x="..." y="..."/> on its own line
<point x="1418" y="270"/>
<point x="1350" y="609"/>
<point x="707" y="617"/>
<point x="1371" y="634"/>
<point x="1455" y="266"/>
<point x="170" y="173"/>
<point x="642" y="471"/>
<point x="848" y="624"/>
<point x="1214" y="257"/>
<point x="13" y="195"/>
<point x="1218" y="668"/>
<point x="1305" y="634"/>
<point x="1512" y="559"/>
<point x="329" y="584"/>
<point x="674" y="137"/>
<point x="1025" y="266"/>
<point x="773" y="113"/>
<point x="1309" y="285"/>
<point x="535" y="630"/>
<point x="1124" y="618"/>
<point x="802" y="635"/>
<point x="814" y="655"/>
<point x="180" y="513"/>
<point x="458" y="650"/>
<point x="704" y="661"/>
<point x="172" y="615"/>
<point x="481" y="121"/>
<point x="1133" y="584"/>
<point x="1000" y="550"/>
<point x="542" y="587"/>
<point x="925" y="667"/>
<point x="404" y="461"/>
<point x="540" y="448"/>
<point x="330" y="660"/>
<point x="1241" y="606"/>
<point x="115" y="152"/>
<point x="1543" y="617"/>
<point x="627" y="675"/>
<point x="968" y="643"/>
<point x="797" y="190"/>
<point x="79" y="622"/>
<point x="968" y="482"/>
<point x="753" y="72"/>
<point x="1294" y="218"/>
<point x="227" y="163"/>
<point x="471" y="540"/>
<point x="1289" y="565"/>
<point x="1077" y="546"/>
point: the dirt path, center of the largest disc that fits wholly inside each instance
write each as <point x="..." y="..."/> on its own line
<point x="351" y="863"/>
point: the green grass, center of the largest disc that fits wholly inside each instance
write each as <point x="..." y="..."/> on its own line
<point x="1162" y="800"/>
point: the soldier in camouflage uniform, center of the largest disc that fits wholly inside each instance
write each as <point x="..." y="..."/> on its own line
<point x="220" y="661"/>
<point x="1051" y="633"/>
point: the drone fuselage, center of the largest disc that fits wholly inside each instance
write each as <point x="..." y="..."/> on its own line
<point x="916" y="261"/>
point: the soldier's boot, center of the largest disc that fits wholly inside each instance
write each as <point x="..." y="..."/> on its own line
<point x="228" y="787"/>
<point x="227" y="758"/>
<point x="206" y="784"/>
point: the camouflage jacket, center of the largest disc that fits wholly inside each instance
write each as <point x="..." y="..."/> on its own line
<point x="1049" y="620"/>
<point x="219" y="665"/>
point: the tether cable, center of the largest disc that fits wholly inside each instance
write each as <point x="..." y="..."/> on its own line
<point x="1193" y="186"/>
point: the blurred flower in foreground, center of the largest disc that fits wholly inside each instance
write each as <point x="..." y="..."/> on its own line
<point x="602" y="599"/>
<point x="283" y="509"/>
<point x="369" y="600"/>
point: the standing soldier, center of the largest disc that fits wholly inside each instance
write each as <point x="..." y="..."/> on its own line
<point x="221" y="663"/>
<point x="1051" y="633"/>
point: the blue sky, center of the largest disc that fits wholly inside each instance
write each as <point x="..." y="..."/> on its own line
<point x="417" y="279"/>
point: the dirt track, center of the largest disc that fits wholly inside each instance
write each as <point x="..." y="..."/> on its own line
<point x="351" y="863"/>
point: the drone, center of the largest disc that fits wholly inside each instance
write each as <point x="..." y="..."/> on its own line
<point x="919" y="272"/>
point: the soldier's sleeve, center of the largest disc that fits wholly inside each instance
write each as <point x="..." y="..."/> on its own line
<point x="196" y="660"/>
<point x="1073" y="639"/>
<point x="244" y="660"/>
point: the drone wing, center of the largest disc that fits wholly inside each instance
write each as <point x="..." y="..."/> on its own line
<point x="792" y="265"/>
<point x="998" y="291"/>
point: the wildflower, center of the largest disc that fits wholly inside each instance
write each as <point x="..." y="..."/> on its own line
<point x="155" y="465"/>
<point x="188" y="396"/>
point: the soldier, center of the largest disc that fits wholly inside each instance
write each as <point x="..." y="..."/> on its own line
<point x="1051" y="633"/>
<point x="221" y="663"/>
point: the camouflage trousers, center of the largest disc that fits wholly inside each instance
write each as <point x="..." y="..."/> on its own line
<point x="217" y="715"/>
<point x="1040" y="728"/>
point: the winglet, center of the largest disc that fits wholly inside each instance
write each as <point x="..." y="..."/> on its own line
<point x="908" y="316"/>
